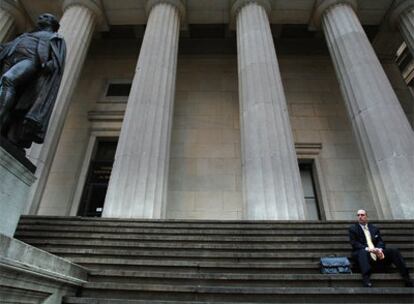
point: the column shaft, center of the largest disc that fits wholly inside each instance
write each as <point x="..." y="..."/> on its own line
<point x="406" y="26"/>
<point x="7" y="25"/>
<point x="138" y="182"/>
<point x="271" y="182"/>
<point x="384" y="136"/>
<point x="77" y="27"/>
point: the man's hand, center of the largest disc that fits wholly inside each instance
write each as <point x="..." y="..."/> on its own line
<point x="378" y="252"/>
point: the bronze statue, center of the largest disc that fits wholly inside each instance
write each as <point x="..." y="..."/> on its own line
<point x="31" y="68"/>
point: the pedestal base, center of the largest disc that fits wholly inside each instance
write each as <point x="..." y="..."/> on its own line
<point x="31" y="275"/>
<point x="16" y="177"/>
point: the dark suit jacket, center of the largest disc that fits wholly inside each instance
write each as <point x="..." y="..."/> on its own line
<point x="358" y="240"/>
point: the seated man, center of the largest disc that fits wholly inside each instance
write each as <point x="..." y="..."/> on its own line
<point x="368" y="249"/>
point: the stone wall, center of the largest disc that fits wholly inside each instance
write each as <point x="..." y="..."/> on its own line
<point x="205" y="168"/>
<point x="318" y="115"/>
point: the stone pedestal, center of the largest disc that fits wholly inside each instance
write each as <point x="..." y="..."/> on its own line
<point x="15" y="182"/>
<point x="271" y="182"/>
<point x="382" y="131"/>
<point x="77" y="27"/>
<point x="138" y="183"/>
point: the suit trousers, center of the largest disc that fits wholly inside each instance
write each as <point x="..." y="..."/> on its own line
<point x="392" y="256"/>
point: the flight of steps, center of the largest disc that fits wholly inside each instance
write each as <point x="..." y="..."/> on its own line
<point x="177" y="261"/>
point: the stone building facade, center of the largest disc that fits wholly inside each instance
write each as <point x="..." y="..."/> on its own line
<point x="206" y="108"/>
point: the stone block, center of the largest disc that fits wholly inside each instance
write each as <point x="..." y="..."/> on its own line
<point x="230" y="136"/>
<point x="346" y="150"/>
<point x="309" y="123"/>
<point x="209" y="151"/>
<point x="307" y="136"/>
<point x="31" y="275"/>
<point x="209" y="183"/>
<point x="210" y="201"/>
<point x="181" y="200"/>
<point x="183" y="166"/>
<point x="294" y="97"/>
<point x="325" y="109"/>
<point x="302" y="110"/>
<point x="232" y="201"/>
<point x="15" y="182"/>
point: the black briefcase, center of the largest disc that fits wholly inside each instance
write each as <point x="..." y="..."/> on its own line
<point x="335" y="265"/>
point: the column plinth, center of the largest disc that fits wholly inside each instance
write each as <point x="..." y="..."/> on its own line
<point x="77" y="27"/>
<point x="384" y="136"/>
<point x="271" y="182"/>
<point x="138" y="183"/>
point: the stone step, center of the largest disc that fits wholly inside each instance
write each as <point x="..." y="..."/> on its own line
<point x="199" y="254"/>
<point x="196" y="238"/>
<point x="74" y="300"/>
<point x="208" y="232"/>
<point x="116" y="263"/>
<point x="247" y="294"/>
<point x="175" y="261"/>
<point x="82" y="243"/>
<point x="300" y="225"/>
<point x="240" y="279"/>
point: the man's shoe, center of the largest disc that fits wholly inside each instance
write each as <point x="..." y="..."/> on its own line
<point x="366" y="282"/>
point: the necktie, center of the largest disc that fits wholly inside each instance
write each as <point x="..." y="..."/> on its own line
<point x="369" y="242"/>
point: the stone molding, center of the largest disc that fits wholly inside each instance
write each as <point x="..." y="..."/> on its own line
<point x="9" y="163"/>
<point x="399" y="7"/>
<point x="179" y="4"/>
<point x="237" y="5"/>
<point x="14" y="9"/>
<point x="95" y="6"/>
<point x="322" y="5"/>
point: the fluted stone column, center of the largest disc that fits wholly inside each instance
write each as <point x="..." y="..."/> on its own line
<point x="138" y="183"/>
<point x="383" y="133"/>
<point x="77" y="26"/>
<point x="6" y="25"/>
<point x="11" y="18"/>
<point x="403" y="17"/>
<point x="271" y="182"/>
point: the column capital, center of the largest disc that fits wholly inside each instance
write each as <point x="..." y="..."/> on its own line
<point x="237" y="5"/>
<point x="398" y="8"/>
<point x="179" y="4"/>
<point x="322" y="5"/>
<point x="94" y="5"/>
<point x="14" y="9"/>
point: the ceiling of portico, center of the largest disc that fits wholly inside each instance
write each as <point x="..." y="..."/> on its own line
<point x="132" y="12"/>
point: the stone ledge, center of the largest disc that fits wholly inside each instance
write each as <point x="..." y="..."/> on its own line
<point x="31" y="275"/>
<point x="18" y="255"/>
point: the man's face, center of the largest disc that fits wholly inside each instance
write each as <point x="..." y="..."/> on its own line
<point x="362" y="217"/>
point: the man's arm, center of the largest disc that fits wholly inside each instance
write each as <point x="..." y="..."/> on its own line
<point x="377" y="238"/>
<point x="354" y="239"/>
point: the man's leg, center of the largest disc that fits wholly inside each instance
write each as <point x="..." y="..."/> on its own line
<point x="18" y="75"/>
<point x="363" y="259"/>
<point x="394" y="256"/>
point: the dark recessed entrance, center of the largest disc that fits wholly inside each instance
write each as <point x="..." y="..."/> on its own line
<point x="97" y="180"/>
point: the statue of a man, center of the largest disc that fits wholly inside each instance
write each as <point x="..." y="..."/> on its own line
<point x="31" y="68"/>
